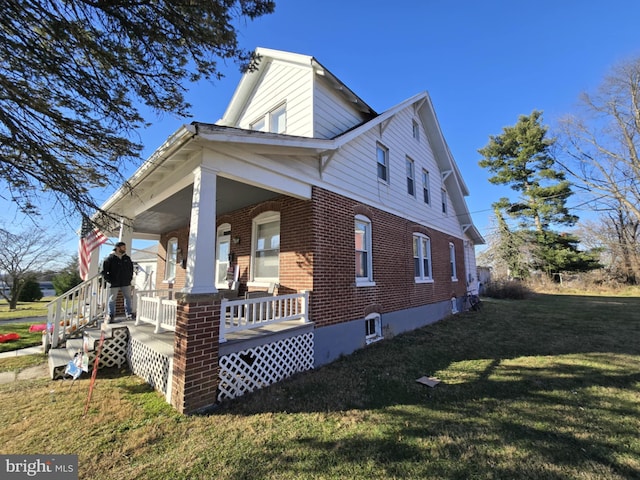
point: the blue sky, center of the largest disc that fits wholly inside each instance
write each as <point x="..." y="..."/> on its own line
<point x="484" y="63"/>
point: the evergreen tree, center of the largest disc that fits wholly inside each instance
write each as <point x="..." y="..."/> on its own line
<point x="68" y="278"/>
<point x="75" y="77"/>
<point x="30" y="291"/>
<point x="521" y="158"/>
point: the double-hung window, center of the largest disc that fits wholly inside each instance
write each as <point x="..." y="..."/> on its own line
<point x="422" y="257"/>
<point x="172" y="260"/>
<point x="425" y="187"/>
<point x="223" y="249"/>
<point x="452" y="261"/>
<point x="382" y="156"/>
<point x="363" y="251"/>
<point x="275" y="121"/>
<point x="266" y="247"/>
<point x="411" y="180"/>
<point x="416" y="130"/>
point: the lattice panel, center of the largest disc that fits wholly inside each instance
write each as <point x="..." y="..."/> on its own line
<point x="150" y="365"/>
<point x="255" y="368"/>
<point x="114" y="349"/>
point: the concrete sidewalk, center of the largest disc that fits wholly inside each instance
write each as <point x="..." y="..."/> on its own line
<point x="36" y="372"/>
<point x="22" y="351"/>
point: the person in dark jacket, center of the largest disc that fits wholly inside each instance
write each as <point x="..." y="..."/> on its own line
<point x="117" y="270"/>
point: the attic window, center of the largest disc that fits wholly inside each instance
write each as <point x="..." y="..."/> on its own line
<point x="275" y="121"/>
<point x="416" y="130"/>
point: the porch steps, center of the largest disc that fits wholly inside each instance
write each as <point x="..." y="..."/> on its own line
<point x="114" y="350"/>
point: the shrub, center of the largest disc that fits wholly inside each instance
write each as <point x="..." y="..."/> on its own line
<point x="66" y="280"/>
<point x="507" y="289"/>
<point x="30" y="291"/>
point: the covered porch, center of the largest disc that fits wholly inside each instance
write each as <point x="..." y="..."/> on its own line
<point x="262" y="341"/>
<point x="196" y="197"/>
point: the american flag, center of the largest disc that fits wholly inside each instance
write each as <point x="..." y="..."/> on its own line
<point x="90" y="239"/>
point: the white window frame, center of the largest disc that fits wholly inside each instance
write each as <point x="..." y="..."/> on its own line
<point x="262" y="219"/>
<point x="415" y="130"/>
<point x="223" y="235"/>
<point x="426" y="188"/>
<point x="452" y="262"/>
<point x="275" y="113"/>
<point x="411" y="176"/>
<point x="171" y="262"/>
<point x="367" y="280"/>
<point x="372" y="328"/>
<point x="444" y="201"/>
<point x="382" y="152"/>
<point x="267" y="122"/>
<point x="422" y="252"/>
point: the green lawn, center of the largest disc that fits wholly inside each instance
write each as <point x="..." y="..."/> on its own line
<point x="545" y="388"/>
<point x="24" y="309"/>
<point x="27" y="338"/>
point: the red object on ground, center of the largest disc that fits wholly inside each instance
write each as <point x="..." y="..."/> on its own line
<point x="8" y="337"/>
<point x="40" y="327"/>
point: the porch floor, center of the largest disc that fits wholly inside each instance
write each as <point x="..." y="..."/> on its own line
<point x="163" y="342"/>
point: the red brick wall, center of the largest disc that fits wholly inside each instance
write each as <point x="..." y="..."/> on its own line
<point x="317" y="254"/>
<point x="196" y="348"/>
<point x="335" y="297"/>
<point x="182" y="234"/>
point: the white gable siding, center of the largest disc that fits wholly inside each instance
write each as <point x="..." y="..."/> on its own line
<point x="333" y="114"/>
<point x="353" y="169"/>
<point x="282" y="83"/>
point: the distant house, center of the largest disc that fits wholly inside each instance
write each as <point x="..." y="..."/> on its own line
<point x="146" y="263"/>
<point x="301" y="190"/>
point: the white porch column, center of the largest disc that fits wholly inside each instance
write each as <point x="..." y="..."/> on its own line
<point x="201" y="255"/>
<point x="126" y="233"/>
<point x="94" y="263"/>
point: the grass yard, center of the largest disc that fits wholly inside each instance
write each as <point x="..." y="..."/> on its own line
<point x="27" y="338"/>
<point x="545" y="388"/>
<point x="24" y="309"/>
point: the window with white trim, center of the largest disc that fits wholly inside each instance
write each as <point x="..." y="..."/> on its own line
<point x="372" y="328"/>
<point x="171" y="260"/>
<point x="422" y="258"/>
<point x="411" y="177"/>
<point x="415" y="130"/>
<point x="363" y="253"/>
<point x="426" y="197"/>
<point x="275" y="121"/>
<point x="382" y="158"/>
<point x="223" y="249"/>
<point x="452" y="261"/>
<point x="444" y="201"/>
<point x="265" y="253"/>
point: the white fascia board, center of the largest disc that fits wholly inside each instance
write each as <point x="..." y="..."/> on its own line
<point x="255" y="170"/>
<point x="384" y="116"/>
<point x="249" y="80"/>
<point x="251" y="137"/>
<point x="176" y="141"/>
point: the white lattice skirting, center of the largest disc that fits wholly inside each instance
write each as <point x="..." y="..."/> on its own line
<point x="155" y="368"/>
<point x="255" y="368"/>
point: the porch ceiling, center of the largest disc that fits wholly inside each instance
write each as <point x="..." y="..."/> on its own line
<point x="175" y="211"/>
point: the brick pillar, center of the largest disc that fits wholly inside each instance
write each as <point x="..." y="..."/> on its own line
<point x="195" y="352"/>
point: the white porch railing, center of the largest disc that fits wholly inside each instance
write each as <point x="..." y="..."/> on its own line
<point x="74" y="309"/>
<point x="246" y="314"/>
<point x="157" y="307"/>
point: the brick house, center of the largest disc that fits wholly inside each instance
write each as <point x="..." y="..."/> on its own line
<point x="301" y="187"/>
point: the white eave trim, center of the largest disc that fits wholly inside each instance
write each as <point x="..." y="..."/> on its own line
<point x="175" y="142"/>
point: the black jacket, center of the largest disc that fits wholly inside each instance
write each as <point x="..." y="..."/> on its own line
<point x="118" y="271"/>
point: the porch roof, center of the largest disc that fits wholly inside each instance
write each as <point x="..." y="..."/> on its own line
<point x="158" y="196"/>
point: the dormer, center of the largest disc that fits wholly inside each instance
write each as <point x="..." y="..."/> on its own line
<point x="294" y="94"/>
